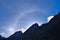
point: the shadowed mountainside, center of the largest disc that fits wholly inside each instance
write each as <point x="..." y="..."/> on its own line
<point x="2" y="38"/>
<point x="47" y="31"/>
<point x="16" y="36"/>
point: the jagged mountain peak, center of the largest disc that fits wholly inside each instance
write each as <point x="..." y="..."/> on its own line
<point x="55" y="19"/>
<point x="18" y="32"/>
<point x="34" y="28"/>
<point x="16" y="36"/>
<point x="47" y="31"/>
<point x="35" y="25"/>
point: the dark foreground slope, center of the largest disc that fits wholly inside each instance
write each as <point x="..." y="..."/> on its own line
<point x="47" y="31"/>
<point x="2" y="38"/>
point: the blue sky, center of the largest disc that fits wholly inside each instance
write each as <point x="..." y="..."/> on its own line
<point x="20" y="14"/>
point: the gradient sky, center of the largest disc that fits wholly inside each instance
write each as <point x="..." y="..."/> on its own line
<point x="18" y="15"/>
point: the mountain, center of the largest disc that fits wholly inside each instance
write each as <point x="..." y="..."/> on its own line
<point x="2" y="38"/>
<point x="32" y="31"/>
<point x="47" y="31"/>
<point x="16" y="36"/>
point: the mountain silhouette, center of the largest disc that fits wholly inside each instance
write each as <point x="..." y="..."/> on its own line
<point x="16" y="36"/>
<point x="47" y="31"/>
<point x="2" y="38"/>
<point x="32" y="31"/>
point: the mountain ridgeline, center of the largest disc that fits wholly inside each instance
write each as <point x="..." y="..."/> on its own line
<point x="47" y="31"/>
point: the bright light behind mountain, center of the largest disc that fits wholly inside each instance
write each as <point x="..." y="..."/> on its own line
<point x="19" y="15"/>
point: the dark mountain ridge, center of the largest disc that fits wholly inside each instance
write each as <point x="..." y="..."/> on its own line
<point x="47" y="31"/>
<point x="16" y="36"/>
<point x="2" y="38"/>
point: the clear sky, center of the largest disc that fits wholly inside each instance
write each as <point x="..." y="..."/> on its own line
<point x="18" y="15"/>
